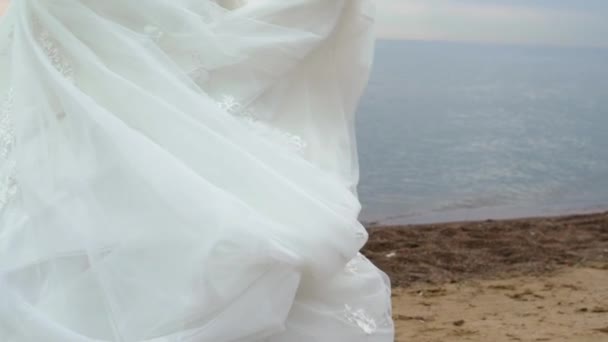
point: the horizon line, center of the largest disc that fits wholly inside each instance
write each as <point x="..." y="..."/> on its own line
<point x="483" y="42"/>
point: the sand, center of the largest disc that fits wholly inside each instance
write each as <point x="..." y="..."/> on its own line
<point x="570" y="305"/>
<point x="541" y="279"/>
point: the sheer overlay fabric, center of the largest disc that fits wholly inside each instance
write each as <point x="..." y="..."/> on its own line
<point x="184" y="170"/>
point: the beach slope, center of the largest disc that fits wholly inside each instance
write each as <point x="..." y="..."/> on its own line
<point x="538" y="279"/>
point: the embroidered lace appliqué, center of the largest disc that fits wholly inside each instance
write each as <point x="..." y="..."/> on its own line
<point x="361" y="319"/>
<point x="56" y="56"/>
<point x="291" y="141"/>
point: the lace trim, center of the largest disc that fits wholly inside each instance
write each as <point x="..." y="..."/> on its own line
<point x="291" y="141"/>
<point x="9" y="187"/>
<point x="57" y="58"/>
<point x="8" y="181"/>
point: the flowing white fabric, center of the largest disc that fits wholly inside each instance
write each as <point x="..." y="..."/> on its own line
<point x="184" y="170"/>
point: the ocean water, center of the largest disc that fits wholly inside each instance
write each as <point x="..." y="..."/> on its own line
<point x="452" y="131"/>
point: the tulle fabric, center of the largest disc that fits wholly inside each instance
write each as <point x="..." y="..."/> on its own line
<point x="184" y="170"/>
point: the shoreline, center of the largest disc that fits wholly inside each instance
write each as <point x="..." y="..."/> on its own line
<point x="525" y="279"/>
<point x="453" y="251"/>
<point x="480" y="214"/>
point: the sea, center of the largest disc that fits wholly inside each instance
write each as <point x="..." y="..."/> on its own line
<point x="464" y="131"/>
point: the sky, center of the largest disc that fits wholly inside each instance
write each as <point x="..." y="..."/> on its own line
<point x="535" y="22"/>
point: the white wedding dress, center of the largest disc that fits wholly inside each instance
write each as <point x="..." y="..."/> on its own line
<point x="184" y="170"/>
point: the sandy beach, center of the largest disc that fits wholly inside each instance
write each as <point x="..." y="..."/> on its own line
<point x="537" y="279"/>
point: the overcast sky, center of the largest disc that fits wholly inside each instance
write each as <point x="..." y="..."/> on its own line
<point x="547" y="22"/>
